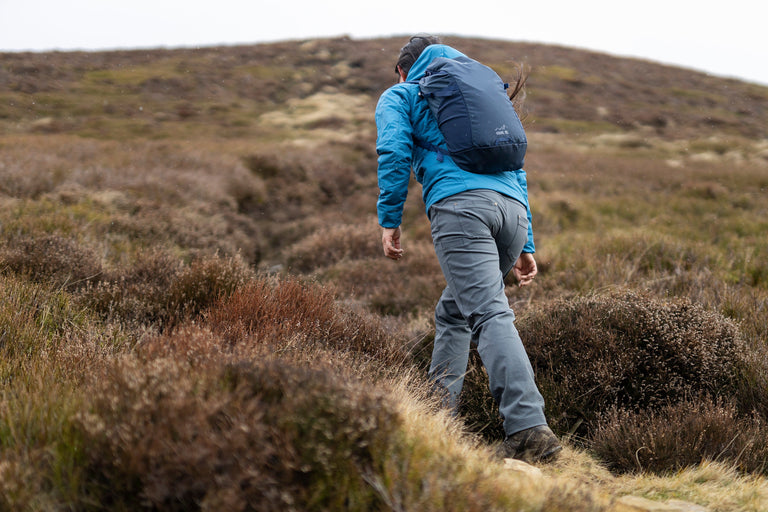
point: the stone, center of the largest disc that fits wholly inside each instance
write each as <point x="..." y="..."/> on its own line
<point x="686" y="506"/>
<point x="638" y="504"/>
<point x="523" y="468"/>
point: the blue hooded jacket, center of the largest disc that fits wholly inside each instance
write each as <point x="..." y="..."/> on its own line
<point x="402" y="114"/>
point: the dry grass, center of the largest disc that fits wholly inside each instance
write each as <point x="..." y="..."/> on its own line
<point x="444" y="468"/>
<point x="718" y="487"/>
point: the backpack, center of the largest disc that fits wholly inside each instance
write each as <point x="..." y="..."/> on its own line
<point x="482" y="131"/>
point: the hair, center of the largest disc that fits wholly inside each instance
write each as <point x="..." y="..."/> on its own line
<point x="517" y="93"/>
<point x="416" y="45"/>
<point x="411" y="51"/>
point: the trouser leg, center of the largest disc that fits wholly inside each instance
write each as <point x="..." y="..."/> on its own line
<point x="451" y="349"/>
<point x="477" y="237"/>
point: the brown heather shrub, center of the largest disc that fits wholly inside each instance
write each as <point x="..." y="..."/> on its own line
<point x="196" y="228"/>
<point x="204" y="281"/>
<point x="330" y="180"/>
<point x="29" y="174"/>
<point x="137" y="294"/>
<point x="160" y="289"/>
<point x="269" y="310"/>
<point x="682" y="434"/>
<point x="403" y="288"/>
<point x="51" y="259"/>
<point x="746" y="305"/>
<point x="198" y="345"/>
<point x="264" y="436"/>
<point x="631" y="351"/>
<point x="335" y="244"/>
<point x="268" y="166"/>
<point x="625" y="350"/>
<point x="152" y="193"/>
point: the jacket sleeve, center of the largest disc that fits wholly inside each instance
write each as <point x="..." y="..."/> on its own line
<point x="523" y="182"/>
<point x="394" y="146"/>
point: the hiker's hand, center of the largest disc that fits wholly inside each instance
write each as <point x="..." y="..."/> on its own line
<point x="390" y="240"/>
<point x="525" y="269"/>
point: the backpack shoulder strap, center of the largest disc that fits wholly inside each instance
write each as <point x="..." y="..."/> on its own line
<point x="422" y="143"/>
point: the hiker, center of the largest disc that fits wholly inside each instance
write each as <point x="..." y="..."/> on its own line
<point x="481" y="230"/>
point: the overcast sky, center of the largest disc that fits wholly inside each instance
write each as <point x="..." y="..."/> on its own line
<point x="722" y="38"/>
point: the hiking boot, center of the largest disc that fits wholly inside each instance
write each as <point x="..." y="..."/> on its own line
<point x="537" y="444"/>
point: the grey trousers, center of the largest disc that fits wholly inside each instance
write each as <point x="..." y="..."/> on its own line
<point x="478" y="236"/>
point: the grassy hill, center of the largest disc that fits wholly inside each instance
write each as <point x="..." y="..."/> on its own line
<point x="194" y="311"/>
<point x="222" y="91"/>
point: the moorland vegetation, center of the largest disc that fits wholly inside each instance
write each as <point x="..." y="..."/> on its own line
<point x="195" y="314"/>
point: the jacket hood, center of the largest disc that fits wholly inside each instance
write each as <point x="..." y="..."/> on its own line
<point x="428" y="55"/>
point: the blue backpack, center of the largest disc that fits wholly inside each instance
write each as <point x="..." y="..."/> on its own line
<point x="482" y="131"/>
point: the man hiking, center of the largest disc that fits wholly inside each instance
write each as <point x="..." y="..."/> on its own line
<point x="481" y="230"/>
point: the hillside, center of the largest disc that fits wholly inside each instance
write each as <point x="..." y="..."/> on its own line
<point x="188" y="236"/>
<point x="225" y="88"/>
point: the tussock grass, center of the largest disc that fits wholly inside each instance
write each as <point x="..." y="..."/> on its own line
<point x="40" y="453"/>
<point x="715" y="485"/>
<point x="439" y="466"/>
<point x="34" y="318"/>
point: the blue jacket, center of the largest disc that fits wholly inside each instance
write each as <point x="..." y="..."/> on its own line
<point x="400" y="114"/>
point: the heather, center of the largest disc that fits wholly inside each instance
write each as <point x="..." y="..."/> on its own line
<point x="195" y="312"/>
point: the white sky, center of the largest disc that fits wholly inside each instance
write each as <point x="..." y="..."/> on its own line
<point x="726" y="38"/>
